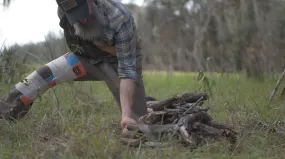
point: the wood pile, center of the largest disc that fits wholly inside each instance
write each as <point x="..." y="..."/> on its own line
<point x="180" y="119"/>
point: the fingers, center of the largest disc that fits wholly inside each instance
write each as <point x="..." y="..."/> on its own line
<point x="125" y="130"/>
<point x="126" y="121"/>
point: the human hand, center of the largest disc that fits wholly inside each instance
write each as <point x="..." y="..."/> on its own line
<point x="125" y="121"/>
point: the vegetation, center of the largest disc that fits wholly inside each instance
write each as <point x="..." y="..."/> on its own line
<point x="214" y="35"/>
<point x="80" y="126"/>
<point x="6" y="3"/>
<point x="232" y="49"/>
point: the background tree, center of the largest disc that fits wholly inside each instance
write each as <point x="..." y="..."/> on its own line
<point x="214" y="35"/>
<point x="6" y="3"/>
<point x="207" y="35"/>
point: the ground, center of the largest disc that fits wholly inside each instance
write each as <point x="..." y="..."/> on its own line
<point x="64" y="124"/>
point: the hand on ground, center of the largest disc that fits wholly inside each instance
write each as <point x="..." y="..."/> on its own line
<point x="125" y="121"/>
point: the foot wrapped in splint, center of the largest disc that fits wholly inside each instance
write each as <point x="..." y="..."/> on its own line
<point x="18" y="101"/>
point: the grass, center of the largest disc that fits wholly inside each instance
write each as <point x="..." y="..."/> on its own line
<point x="63" y="124"/>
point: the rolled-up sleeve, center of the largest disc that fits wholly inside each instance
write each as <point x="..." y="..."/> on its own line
<point x="125" y="42"/>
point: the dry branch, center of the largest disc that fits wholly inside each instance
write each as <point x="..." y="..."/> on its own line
<point x="162" y="104"/>
<point x="276" y="87"/>
<point x="177" y="100"/>
<point x="182" y="118"/>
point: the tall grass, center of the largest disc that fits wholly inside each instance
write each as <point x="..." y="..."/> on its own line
<point x="81" y="119"/>
<point x="12" y="67"/>
<point x="69" y="125"/>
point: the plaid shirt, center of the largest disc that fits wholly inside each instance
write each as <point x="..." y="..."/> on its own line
<point x="120" y="31"/>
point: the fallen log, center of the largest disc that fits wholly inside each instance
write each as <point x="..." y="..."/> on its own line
<point x="160" y="105"/>
<point x="153" y="128"/>
<point x="177" y="100"/>
<point x="192" y="97"/>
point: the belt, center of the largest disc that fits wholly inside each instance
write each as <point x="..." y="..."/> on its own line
<point x="109" y="49"/>
<point x="97" y="54"/>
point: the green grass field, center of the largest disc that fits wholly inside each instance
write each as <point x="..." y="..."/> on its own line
<point x="65" y="125"/>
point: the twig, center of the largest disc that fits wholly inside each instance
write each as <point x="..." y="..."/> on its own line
<point x="195" y="104"/>
<point x="2" y="46"/>
<point x="276" y="87"/>
<point x="179" y="117"/>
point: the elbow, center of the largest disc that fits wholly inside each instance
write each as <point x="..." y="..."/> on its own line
<point x="128" y="73"/>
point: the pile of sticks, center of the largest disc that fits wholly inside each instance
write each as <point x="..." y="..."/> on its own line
<point x="179" y="119"/>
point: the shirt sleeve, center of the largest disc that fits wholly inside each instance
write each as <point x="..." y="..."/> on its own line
<point x="125" y="42"/>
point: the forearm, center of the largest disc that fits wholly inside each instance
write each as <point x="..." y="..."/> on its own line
<point x="127" y="91"/>
<point x="126" y="51"/>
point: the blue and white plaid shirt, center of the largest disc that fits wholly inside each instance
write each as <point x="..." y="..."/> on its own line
<point x="120" y="31"/>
